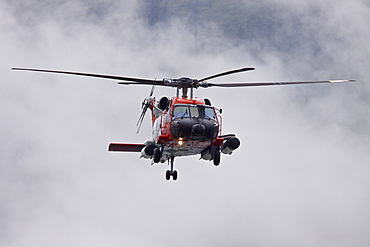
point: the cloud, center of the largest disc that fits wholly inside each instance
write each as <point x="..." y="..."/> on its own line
<point x="299" y="177"/>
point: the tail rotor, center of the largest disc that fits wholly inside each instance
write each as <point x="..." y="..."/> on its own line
<point x="144" y="106"/>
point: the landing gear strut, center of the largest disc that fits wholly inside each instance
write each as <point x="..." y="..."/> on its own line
<point x="171" y="172"/>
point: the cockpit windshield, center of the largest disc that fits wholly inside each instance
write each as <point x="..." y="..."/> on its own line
<point x="180" y="111"/>
<point x="194" y="111"/>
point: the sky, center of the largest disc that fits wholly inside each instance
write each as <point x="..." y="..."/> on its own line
<point x="299" y="178"/>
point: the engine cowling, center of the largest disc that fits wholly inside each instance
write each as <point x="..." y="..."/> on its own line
<point x="163" y="103"/>
<point x="147" y="151"/>
<point x="230" y="145"/>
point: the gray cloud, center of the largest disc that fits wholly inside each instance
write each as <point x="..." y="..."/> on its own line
<point x="299" y="178"/>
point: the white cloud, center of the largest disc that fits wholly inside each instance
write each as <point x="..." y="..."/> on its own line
<point x="299" y="177"/>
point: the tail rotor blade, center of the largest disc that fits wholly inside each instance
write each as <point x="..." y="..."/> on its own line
<point x="145" y="105"/>
<point x="141" y="118"/>
<point x="152" y="91"/>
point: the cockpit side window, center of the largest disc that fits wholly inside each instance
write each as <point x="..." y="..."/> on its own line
<point x="209" y="112"/>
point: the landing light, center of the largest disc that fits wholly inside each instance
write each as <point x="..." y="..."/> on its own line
<point x="180" y="142"/>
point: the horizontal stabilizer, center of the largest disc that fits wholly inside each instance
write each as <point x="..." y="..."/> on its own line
<point x="123" y="147"/>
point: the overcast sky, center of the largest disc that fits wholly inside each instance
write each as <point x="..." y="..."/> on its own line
<point x="300" y="177"/>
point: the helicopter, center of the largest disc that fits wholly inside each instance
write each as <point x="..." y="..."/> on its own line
<point x="183" y="125"/>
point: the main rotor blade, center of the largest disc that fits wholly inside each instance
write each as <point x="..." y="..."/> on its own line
<point x="226" y="73"/>
<point x="120" y="78"/>
<point x="257" y="84"/>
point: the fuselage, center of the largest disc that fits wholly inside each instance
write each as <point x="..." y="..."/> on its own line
<point x="185" y="126"/>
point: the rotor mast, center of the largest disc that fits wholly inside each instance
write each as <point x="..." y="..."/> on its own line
<point x="183" y="84"/>
<point x="184" y="91"/>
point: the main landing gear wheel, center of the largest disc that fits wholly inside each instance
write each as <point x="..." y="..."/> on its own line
<point x="216" y="157"/>
<point x="156" y="155"/>
<point x="171" y="172"/>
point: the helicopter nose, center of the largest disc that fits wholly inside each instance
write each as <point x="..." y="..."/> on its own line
<point x="198" y="129"/>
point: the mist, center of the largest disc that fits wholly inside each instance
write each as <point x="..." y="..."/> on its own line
<point x="299" y="178"/>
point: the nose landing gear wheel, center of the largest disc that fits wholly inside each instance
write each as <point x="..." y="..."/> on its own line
<point x="173" y="174"/>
